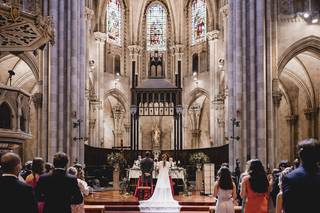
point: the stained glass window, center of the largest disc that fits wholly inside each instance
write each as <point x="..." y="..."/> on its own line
<point x="199" y="21"/>
<point x="114" y="21"/>
<point x="156" y="27"/>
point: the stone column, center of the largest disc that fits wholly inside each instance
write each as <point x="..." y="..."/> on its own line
<point x="273" y="155"/>
<point x="37" y="101"/>
<point x="134" y="52"/>
<point x="66" y="70"/>
<point x="213" y="38"/>
<point x="177" y="53"/>
<point x="292" y="121"/>
<point x="311" y="116"/>
<point x="100" y="39"/>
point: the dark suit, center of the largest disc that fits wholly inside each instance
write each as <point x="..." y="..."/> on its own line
<point x="301" y="191"/>
<point x="16" y="197"/>
<point x="58" y="191"/>
<point x="146" y="166"/>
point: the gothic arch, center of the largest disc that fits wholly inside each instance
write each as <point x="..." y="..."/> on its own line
<point x="101" y="14"/>
<point x="29" y="59"/>
<point x="196" y="93"/>
<point x="142" y="19"/>
<point x="211" y="12"/>
<point x="310" y="43"/>
<point x="118" y="95"/>
<point x="12" y="113"/>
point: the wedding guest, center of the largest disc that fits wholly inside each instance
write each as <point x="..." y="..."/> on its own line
<point x="301" y="187"/>
<point x="58" y="190"/>
<point x="26" y="170"/>
<point x="83" y="188"/>
<point x="244" y="174"/>
<point x="48" y="168"/>
<point x="32" y="179"/>
<point x="15" y="196"/>
<point x="275" y="175"/>
<point x="255" y="188"/>
<point x="279" y="200"/>
<point x="225" y="190"/>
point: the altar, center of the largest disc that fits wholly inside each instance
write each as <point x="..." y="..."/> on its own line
<point x="175" y="173"/>
<point x="178" y="175"/>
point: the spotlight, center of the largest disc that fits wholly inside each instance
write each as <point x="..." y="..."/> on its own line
<point x="306" y="15"/>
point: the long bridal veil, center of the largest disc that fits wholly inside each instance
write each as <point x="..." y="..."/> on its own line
<point x="162" y="199"/>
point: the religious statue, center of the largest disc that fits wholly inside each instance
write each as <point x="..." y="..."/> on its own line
<point x="156" y="136"/>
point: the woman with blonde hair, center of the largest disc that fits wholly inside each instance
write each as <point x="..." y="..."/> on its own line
<point x="83" y="188"/>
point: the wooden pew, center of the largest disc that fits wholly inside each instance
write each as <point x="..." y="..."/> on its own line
<point x="94" y="208"/>
<point x="237" y="209"/>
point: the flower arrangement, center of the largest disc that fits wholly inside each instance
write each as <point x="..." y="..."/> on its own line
<point x="199" y="158"/>
<point x="113" y="157"/>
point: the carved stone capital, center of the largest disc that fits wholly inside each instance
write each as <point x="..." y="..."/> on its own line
<point x="292" y="119"/>
<point x="177" y="50"/>
<point x="134" y="50"/>
<point x="100" y="37"/>
<point x="195" y="133"/>
<point x="88" y="13"/>
<point x="92" y="123"/>
<point x="276" y="97"/>
<point x="37" y="99"/>
<point x="224" y="11"/>
<point x="310" y="113"/>
<point x="213" y="35"/>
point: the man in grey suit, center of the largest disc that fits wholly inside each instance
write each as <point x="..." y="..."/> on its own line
<point x="146" y="166"/>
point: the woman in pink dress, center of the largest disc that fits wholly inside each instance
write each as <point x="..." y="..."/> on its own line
<point x="32" y="179"/>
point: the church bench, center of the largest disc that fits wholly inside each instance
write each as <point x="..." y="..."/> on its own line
<point x="94" y="208"/>
<point x="237" y="209"/>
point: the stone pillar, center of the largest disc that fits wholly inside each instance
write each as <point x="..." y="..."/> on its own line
<point x="90" y="67"/>
<point x="100" y="39"/>
<point x="213" y="38"/>
<point x="273" y="155"/>
<point x="37" y="101"/>
<point x="177" y="53"/>
<point x="292" y="123"/>
<point x="195" y="138"/>
<point x="311" y="116"/>
<point x="135" y="63"/>
<point x="66" y="70"/>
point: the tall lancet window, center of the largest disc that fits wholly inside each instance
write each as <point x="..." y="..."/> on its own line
<point x="199" y="21"/>
<point x="113" y="21"/>
<point x="156" y="28"/>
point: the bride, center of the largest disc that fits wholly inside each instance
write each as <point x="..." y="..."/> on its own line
<point x="162" y="199"/>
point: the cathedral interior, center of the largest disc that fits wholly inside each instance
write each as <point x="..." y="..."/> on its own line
<point x="234" y="79"/>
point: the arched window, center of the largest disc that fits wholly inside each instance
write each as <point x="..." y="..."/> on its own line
<point x="113" y="21"/>
<point x="156" y="28"/>
<point x="199" y="21"/>
<point x="195" y="64"/>
<point x="5" y="116"/>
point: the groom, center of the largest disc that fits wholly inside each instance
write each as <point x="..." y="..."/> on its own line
<point x="146" y="166"/>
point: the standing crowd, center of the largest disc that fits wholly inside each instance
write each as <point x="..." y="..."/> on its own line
<point x="40" y="187"/>
<point x="47" y="188"/>
<point x="291" y="189"/>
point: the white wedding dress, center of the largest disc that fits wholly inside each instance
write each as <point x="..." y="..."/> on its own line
<point x="162" y="199"/>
